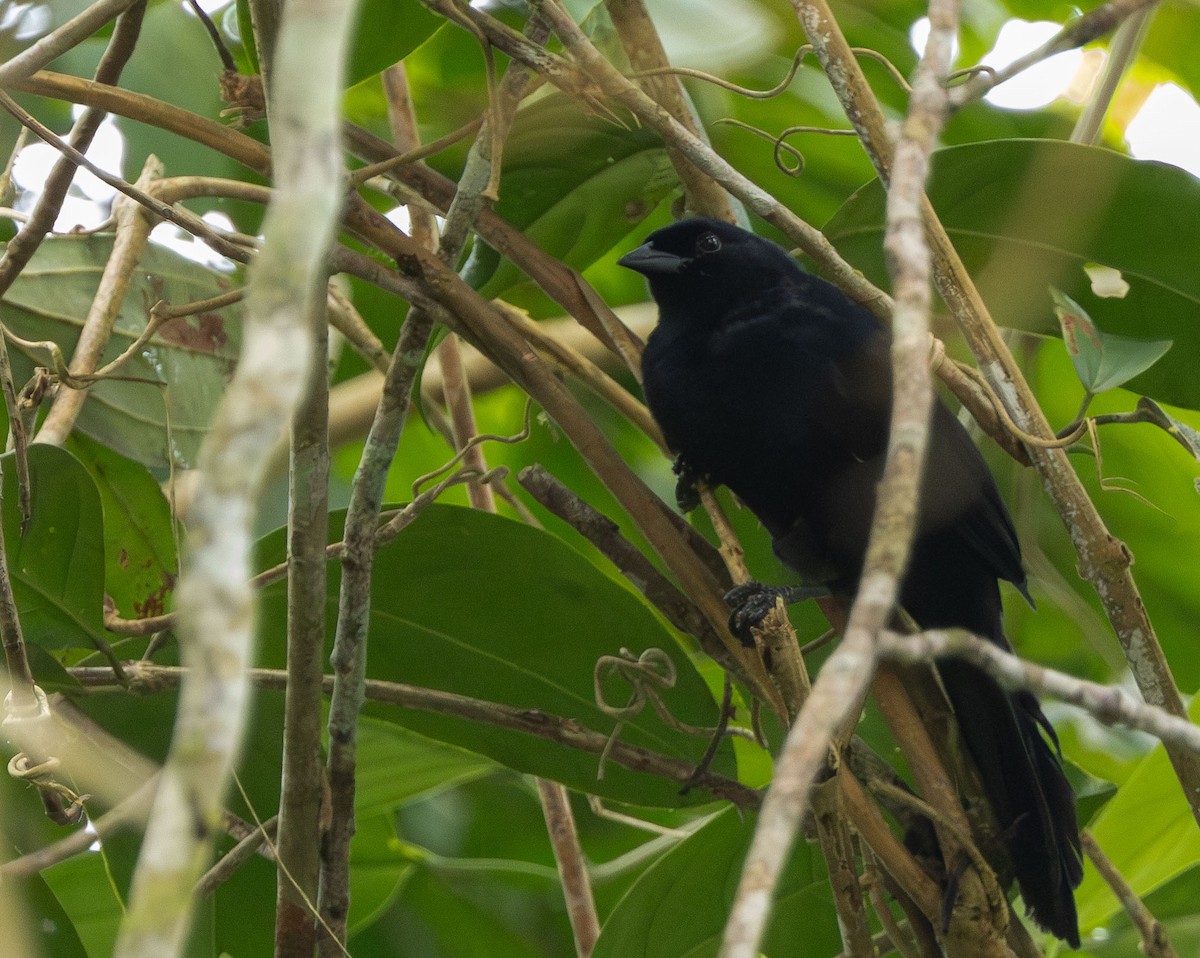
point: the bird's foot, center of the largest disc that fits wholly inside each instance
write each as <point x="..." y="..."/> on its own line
<point x="751" y="602"/>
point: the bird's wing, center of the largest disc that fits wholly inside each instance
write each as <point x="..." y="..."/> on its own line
<point x="982" y="520"/>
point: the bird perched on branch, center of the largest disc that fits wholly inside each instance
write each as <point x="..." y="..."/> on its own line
<point x="774" y="383"/>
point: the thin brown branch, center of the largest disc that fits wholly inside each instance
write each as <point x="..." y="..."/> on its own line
<point x="148" y="678"/>
<point x="302" y="773"/>
<point x="838" y="849"/>
<point x="572" y="868"/>
<point x="1080" y="31"/>
<point x="62" y="39"/>
<point x="1110" y="704"/>
<point x="132" y="234"/>
<point x="1154" y="940"/>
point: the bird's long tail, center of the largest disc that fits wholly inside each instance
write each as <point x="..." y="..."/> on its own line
<point x="1014" y="748"/>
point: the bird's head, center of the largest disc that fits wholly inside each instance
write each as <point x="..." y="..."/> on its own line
<point x="700" y="266"/>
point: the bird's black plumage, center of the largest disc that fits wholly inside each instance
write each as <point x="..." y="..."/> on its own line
<point x="774" y="383"/>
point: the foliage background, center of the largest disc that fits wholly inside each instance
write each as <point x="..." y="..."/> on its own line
<point x="451" y="856"/>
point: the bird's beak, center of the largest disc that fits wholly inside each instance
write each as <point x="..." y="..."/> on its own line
<point x="647" y="260"/>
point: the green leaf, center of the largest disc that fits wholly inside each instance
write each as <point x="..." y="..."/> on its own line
<point x="574" y="184"/>
<point x="447" y="919"/>
<point x="1148" y="832"/>
<point x="139" y="543"/>
<point x="1102" y="360"/>
<point x="1178" y="430"/>
<point x="378" y="866"/>
<point x="387" y="31"/>
<point x="194" y="355"/>
<point x="83" y="889"/>
<point x="427" y="766"/>
<point x="680" y="905"/>
<point x="56" y="933"/>
<point x="1029" y="214"/>
<point x="57" y="567"/>
<point x="482" y="606"/>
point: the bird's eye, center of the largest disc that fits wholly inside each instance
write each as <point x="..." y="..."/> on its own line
<point x="708" y="243"/>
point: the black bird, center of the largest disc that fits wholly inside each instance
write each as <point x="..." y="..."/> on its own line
<point x="774" y="383"/>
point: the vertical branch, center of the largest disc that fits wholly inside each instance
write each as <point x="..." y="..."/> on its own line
<point x="265" y="18"/>
<point x="838" y="693"/>
<point x="23" y="694"/>
<point x="301" y="788"/>
<point x="354" y="607"/>
<point x="572" y="869"/>
<point x="1121" y="53"/>
<point x="214" y="601"/>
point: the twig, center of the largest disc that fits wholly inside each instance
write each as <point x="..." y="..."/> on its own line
<point x="1155" y="943"/>
<point x="572" y="869"/>
<point x="1122" y="51"/>
<point x="1110" y="704"/>
<point x="640" y="40"/>
<point x="58" y="42"/>
<point x="236" y="857"/>
<point x="132" y="234"/>
<point x="1080" y="31"/>
<point x="146" y="677"/>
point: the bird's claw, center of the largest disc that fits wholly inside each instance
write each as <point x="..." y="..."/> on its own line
<point x="752" y="601"/>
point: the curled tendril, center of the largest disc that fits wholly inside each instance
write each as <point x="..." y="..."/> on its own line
<point x="647" y="675"/>
<point x="783" y="84"/>
<point x="726" y="84"/>
<point x="467" y="447"/>
<point x="969" y="73"/>
<point x="68" y="809"/>
<point x="781" y="149"/>
<point x="784" y="149"/>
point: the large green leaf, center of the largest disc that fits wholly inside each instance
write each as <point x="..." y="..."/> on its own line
<point x="1028" y="214"/>
<point x="56" y="932"/>
<point x="1147" y="831"/>
<point x="139" y="544"/>
<point x="87" y="897"/>
<point x="193" y="355"/>
<point x="573" y="183"/>
<point x="482" y="606"/>
<point x="1102" y="360"/>
<point x="387" y="31"/>
<point x="378" y="867"/>
<point x="1171" y="43"/>
<point x="678" y="908"/>
<point x="396" y="766"/>
<point x="57" y="567"/>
